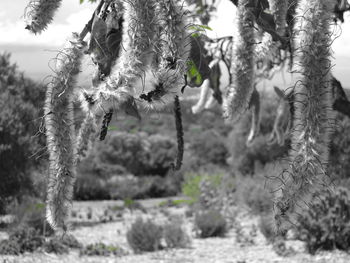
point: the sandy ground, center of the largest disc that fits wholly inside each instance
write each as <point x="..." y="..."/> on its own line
<point x="230" y="249"/>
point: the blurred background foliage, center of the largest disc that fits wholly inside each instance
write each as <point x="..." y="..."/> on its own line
<point x="134" y="160"/>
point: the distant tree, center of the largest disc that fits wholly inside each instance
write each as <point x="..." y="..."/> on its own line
<point x="21" y="101"/>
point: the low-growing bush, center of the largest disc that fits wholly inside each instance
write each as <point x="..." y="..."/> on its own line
<point x="193" y="184"/>
<point x="326" y="223"/>
<point x="210" y="224"/>
<point x="61" y="244"/>
<point x="175" y="236"/>
<point x="210" y="148"/>
<point x="24" y="239"/>
<point x="28" y="239"/>
<point x="267" y="227"/>
<point x="101" y="249"/>
<point x="134" y="205"/>
<point x="253" y="193"/>
<point x="144" y="236"/>
<point x="31" y="213"/>
<point x="90" y="187"/>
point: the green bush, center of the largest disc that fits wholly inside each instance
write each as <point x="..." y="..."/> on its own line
<point x="144" y="236"/>
<point x="326" y="223"/>
<point x="101" y="249"/>
<point x="210" y="224"/>
<point x="175" y="236"/>
<point x="193" y="186"/>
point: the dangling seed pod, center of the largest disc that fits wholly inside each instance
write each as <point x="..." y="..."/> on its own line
<point x="254" y="105"/>
<point x="87" y="134"/>
<point x="242" y="67"/>
<point x="179" y="134"/>
<point x="172" y="51"/>
<point x="60" y="132"/>
<point x="40" y="14"/>
<point x="313" y="117"/>
<point x="138" y="31"/>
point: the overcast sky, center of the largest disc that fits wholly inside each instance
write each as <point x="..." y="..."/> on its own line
<point x="32" y="53"/>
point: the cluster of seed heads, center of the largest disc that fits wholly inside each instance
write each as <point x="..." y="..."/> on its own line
<point x="133" y="41"/>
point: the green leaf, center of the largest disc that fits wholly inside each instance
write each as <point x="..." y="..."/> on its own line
<point x="205" y="27"/>
<point x="193" y="72"/>
<point x="196" y="35"/>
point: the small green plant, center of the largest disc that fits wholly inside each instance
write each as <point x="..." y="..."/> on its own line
<point x="133" y="205"/>
<point x="192" y="184"/>
<point x="172" y="203"/>
<point x="210" y="224"/>
<point x="175" y="236"/>
<point x="101" y="249"/>
<point x="144" y="236"/>
<point x="326" y="223"/>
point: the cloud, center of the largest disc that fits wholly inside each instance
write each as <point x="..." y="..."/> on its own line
<point x="13" y="32"/>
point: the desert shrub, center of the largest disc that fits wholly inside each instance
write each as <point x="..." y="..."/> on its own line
<point x="326" y="223"/>
<point x="23" y="239"/>
<point x="55" y="246"/>
<point x="267" y="227"/>
<point x="210" y="148"/>
<point x="281" y="249"/>
<point x="144" y="236"/>
<point x="138" y="153"/>
<point x="31" y="213"/>
<point x="90" y="187"/>
<point x="101" y="249"/>
<point x="175" y="236"/>
<point x="339" y="157"/>
<point x="210" y="224"/>
<point x="163" y="151"/>
<point x="252" y="192"/>
<point x="130" y="187"/>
